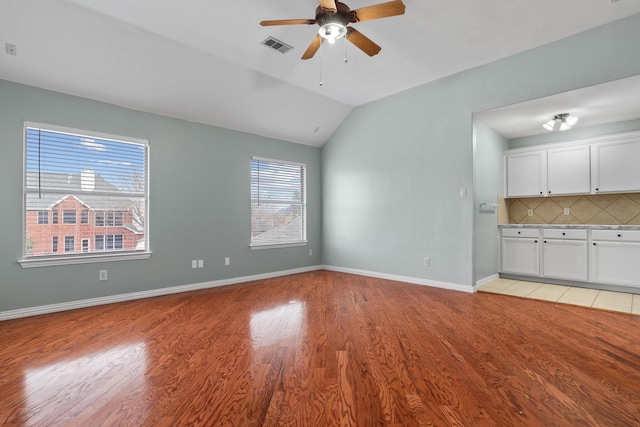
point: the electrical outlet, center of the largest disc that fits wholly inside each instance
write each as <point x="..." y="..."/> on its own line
<point x="310" y="252"/>
<point x="103" y="275"/>
<point x="567" y="211"/>
<point x="530" y="212"/>
<point x="463" y="192"/>
<point x="227" y="261"/>
<point x="200" y="263"/>
<point x="194" y="263"/>
<point x="10" y="49"/>
<point x="427" y="262"/>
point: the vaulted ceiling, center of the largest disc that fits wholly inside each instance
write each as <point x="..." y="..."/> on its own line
<point x="203" y="60"/>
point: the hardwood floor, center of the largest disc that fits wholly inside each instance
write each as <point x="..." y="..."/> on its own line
<point x="322" y="349"/>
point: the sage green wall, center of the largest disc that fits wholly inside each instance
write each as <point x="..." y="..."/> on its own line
<point x="392" y="173"/>
<point x="199" y="202"/>
<point x="488" y="183"/>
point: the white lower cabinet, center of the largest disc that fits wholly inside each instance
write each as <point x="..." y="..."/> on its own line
<point x="615" y="257"/>
<point x="520" y="251"/>
<point x="609" y="257"/>
<point x="565" y="254"/>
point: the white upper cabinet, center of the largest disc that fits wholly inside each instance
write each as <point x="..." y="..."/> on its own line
<point x="568" y="170"/>
<point x="609" y="164"/>
<point x="616" y="165"/>
<point x="526" y="174"/>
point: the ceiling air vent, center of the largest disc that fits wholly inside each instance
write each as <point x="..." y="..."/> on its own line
<point x="276" y="44"/>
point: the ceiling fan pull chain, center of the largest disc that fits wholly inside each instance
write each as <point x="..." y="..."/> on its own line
<point x="345" y="50"/>
<point x="321" y="82"/>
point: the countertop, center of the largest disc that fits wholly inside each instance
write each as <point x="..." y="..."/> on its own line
<point x="570" y="226"/>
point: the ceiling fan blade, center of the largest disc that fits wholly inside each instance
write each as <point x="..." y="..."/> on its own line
<point x="362" y="42"/>
<point x="287" y="22"/>
<point x="328" y="5"/>
<point x="382" y="10"/>
<point x="313" y="48"/>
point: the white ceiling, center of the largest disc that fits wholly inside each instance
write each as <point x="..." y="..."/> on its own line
<point x="610" y="102"/>
<point x="202" y="60"/>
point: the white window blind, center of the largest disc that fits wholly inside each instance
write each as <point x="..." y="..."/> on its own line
<point x="79" y="187"/>
<point x="278" y="211"/>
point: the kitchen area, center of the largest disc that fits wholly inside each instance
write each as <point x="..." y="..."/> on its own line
<point x="567" y="211"/>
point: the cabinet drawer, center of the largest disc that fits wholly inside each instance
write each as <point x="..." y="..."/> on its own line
<point x="555" y="233"/>
<point x="616" y="235"/>
<point x="520" y="232"/>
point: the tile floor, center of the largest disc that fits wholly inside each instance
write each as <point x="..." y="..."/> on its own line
<point x="606" y="300"/>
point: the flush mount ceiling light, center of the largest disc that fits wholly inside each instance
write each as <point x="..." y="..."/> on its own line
<point x="560" y="122"/>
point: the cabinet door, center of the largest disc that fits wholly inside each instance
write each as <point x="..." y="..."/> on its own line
<point x="569" y="170"/>
<point x="615" y="263"/>
<point x="565" y="259"/>
<point x="615" y="166"/>
<point x="526" y="174"/>
<point x="520" y="256"/>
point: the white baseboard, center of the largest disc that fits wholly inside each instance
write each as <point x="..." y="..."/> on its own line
<point x="406" y="279"/>
<point x="72" y="305"/>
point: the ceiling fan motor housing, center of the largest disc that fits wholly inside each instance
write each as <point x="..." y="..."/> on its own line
<point x="343" y="15"/>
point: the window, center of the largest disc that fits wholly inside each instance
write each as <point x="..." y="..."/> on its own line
<point x="85" y="245"/>
<point x="109" y="219"/>
<point x="43" y="217"/>
<point x="54" y="244"/>
<point x="69" y="243"/>
<point x="278" y="208"/>
<point x="68" y="217"/>
<point x="109" y="242"/>
<point x="75" y="172"/>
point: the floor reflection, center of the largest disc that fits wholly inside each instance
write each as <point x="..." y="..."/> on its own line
<point x="276" y="324"/>
<point x="80" y="387"/>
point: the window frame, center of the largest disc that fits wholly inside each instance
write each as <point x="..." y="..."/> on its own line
<point x="69" y="217"/>
<point x="43" y="217"/>
<point x="302" y="204"/>
<point x="69" y="244"/>
<point x="78" y="257"/>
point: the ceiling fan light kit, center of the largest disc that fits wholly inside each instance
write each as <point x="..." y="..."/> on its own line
<point x="333" y="17"/>
<point x="561" y="122"/>
<point x="332" y="31"/>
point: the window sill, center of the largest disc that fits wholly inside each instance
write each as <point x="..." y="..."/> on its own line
<point x="81" y="259"/>
<point x="279" y="245"/>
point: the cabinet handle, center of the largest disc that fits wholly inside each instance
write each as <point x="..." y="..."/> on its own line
<point x="541" y="192"/>
<point x="619" y="235"/>
<point x="549" y="191"/>
<point x="594" y="243"/>
<point x="518" y="232"/>
<point x="597" y="189"/>
<point x="535" y="241"/>
<point x="564" y="234"/>
<point x="545" y="241"/>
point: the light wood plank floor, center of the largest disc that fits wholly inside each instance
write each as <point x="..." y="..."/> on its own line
<point x="322" y="349"/>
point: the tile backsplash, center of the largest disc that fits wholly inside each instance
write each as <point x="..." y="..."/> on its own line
<point x="598" y="209"/>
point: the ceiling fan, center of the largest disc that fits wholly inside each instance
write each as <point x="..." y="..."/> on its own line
<point x="333" y="17"/>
